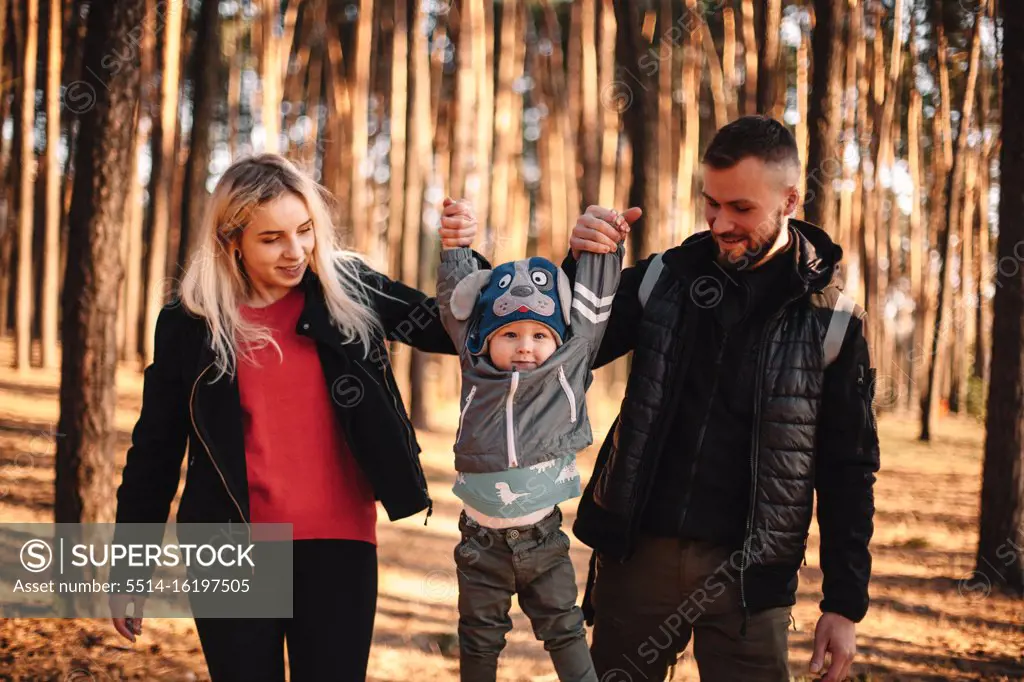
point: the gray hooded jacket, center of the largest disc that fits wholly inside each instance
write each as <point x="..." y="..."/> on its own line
<point x="513" y="418"/>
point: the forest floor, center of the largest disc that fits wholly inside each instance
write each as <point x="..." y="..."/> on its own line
<point x="925" y="622"/>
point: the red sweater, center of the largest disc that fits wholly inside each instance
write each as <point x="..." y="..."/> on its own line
<point x="300" y="468"/>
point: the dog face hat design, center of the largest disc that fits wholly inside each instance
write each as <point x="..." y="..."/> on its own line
<point x="529" y="289"/>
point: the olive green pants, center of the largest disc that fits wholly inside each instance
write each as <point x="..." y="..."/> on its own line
<point x="647" y="609"/>
<point x="532" y="562"/>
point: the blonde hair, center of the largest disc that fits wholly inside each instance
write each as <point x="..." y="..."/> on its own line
<point x="215" y="285"/>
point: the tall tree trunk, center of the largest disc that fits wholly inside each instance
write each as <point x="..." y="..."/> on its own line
<point x="1000" y="559"/>
<point x="173" y="267"/>
<point x="856" y="241"/>
<point x="919" y="249"/>
<point x="716" y="80"/>
<point x="51" y="262"/>
<point x="295" y="78"/>
<point x="824" y="158"/>
<point x="337" y="175"/>
<point x="417" y="171"/>
<point x="982" y="311"/>
<point x="86" y="473"/>
<point x="465" y="91"/>
<point x="589" y="143"/>
<point x="963" y="318"/>
<point x="513" y="243"/>
<point x="771" y="80"/>
<point x="506" y="100"/>
<point x="885" y="159"/>
<point x="853" y="101"/>
<point x="483" y="45"/>
<point x="233" y="58"/>
<point x="399" y="113"/>
<point x="206" y="71"/>
<point x="729" y="61"/>
<point x="610" y="110"/>
<point x="989" y="143"/>
<point x="565" y="191"/>
<point x="6" y="234"/>
<point x="163" y="174"/>
<point x="14" y="23"/>
<point x="360" y="216"/>
<point x="693" y="62"/>
<point x="952" y="213"/>
<point x="133" y="289"/>
<point x="660" y="232"/>
<point x="557" y="143"/>
<point x="275" y="48"/>
<point x="71" y="73"/>
<point x="750" y="102"/>
<point x="538" y="66"/>
<point x="26" y="196"/>
<point x="634" y="118"/>
<point x="802" y="94"/>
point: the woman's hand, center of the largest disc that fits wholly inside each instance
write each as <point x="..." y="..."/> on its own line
<point x="126" y="626"/>
<point x="599" y="229"/>
<point x="458" y="224"/>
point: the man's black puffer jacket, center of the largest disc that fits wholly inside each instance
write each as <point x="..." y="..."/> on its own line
<point x="814" y="427"/>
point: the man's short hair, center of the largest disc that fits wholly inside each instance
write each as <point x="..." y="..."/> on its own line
<point x="760" y="137"/>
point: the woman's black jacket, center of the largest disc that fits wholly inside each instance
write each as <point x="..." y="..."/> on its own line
<point x="185" y="403"/>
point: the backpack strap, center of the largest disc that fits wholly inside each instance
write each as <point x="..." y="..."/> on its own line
<point x="651" y="276"/>
<point x="839" y="322"/>
<point x="842" y="312"/>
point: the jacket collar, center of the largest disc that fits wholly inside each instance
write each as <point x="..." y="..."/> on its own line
<point x="314" y="313"/>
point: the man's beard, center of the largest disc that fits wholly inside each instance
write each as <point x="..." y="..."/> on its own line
<point x="755" y="252"/>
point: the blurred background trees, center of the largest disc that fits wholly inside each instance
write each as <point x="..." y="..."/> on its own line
<point x="532" y="109"/>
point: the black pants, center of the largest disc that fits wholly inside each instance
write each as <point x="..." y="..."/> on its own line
<point x="334" y="598"/>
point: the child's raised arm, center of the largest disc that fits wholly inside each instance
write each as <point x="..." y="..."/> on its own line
<point x="457" y="263"/>
<point x="597" y="278"/>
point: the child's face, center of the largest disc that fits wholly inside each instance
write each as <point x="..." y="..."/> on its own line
<point x="521" y="345"/>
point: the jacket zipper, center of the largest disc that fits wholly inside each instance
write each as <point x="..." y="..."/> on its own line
<point x="465" y="409"/>
<point x="509" y="423"/>
<point x="195" y="427"/>
<point x="568" y="394"/>
<point x="700" y="435"/>
<point x="758" y="389"/>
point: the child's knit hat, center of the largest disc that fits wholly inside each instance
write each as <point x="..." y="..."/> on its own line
<point x="529" y="289"/>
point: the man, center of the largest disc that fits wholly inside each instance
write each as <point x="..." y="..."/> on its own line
<point x="702" y="494"/>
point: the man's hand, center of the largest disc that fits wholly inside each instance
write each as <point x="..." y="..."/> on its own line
<point x="599" y="230"/>
<point x="458" y="224"/>
<point x="127" y="627"/>
<point x="836" y="635"/>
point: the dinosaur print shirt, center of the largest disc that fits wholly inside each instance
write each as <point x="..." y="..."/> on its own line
<point x="518" y="492"/>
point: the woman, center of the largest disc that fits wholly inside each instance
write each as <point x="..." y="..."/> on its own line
<point x="273" y="368"/>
